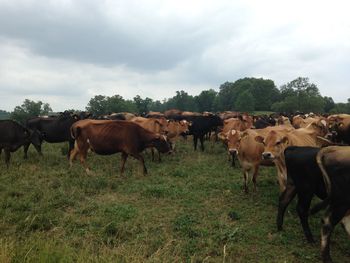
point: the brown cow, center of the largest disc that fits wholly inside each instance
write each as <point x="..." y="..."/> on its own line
<point x="175" y="129"/>
<point x="107" y="137"/>
<point x="156" y="125"/>
<point x="249" y="151"/>
<point x="277" y="141"/>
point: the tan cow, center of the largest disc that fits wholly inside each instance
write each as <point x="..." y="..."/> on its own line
<point x="248" y="152"/>
<point x="175" y="129"/>
<point x="276" y="141"/>
<point x="156" y="125"/>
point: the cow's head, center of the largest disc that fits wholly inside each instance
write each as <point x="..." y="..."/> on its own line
<point x="161" y="143"/>
<point x="233" y="139"/>
<point x="274" y="144"/>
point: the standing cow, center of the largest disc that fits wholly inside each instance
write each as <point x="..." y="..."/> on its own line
<point x="109" y="137"/>
<point x="53" y="129"/>
<point x="13" y="136"/>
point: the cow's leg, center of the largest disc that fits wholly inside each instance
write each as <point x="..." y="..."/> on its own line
<point x="255" y="175"/>
<point x="70" y="147"/>
<point x="201" y="138"/>
<point x="246" y="176"/>
<point x="25" y="150"/>
<point x="38" y="149"/>
<point x="284" y="200"/>
<point x="303" y="206"/>
<point x="140" y="158"/>
<point x="83" y="154"/>
<point x="281" y="178"/>
<point x="7" y="157"/>
<point x="331" y="219"/>
<point x="152" y="154"/>
<point x="124" y="158"/>
<point x="73" y="155"/>
<point x="195" y="140"/>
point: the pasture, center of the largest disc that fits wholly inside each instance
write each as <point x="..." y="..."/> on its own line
<point x="190" y="208"/>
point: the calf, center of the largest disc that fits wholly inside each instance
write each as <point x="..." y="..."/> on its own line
<point x="108" y="137"/>
<point x="304" y="179"/>
<point x="13" y="135"/>
<point x="334" y="163"/>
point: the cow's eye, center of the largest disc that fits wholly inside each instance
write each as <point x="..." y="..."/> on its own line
<point x="278" y="143"/>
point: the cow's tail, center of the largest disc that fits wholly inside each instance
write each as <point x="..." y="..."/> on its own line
<point x="319" y="160"/>
<point x="327" y="182"/>
<point x="75" y="131"/>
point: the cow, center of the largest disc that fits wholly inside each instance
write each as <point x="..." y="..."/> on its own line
<point x="53" y="129"/>
<point x="13" y="135"/>
<point x="275" y="143"/>
<point x="175" y="129"/>
<point x="172" y="112"/>
<point x="334" y="163"/>
<point x="304" y="179"/>
<point x="239" y="124"/>
<point x="202" y="125"/>
<point x="107" y="137"/>
<point x="339" y="125"/>
<point x="156" y="125"/>
<point x="248" y="152"/>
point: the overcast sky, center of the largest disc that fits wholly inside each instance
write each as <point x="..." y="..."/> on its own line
<point x="65" y="52"/>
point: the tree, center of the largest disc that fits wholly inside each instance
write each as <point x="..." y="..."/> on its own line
<point x="30" y="109"/>
<point x="205" y="100"/>
<point x="300" y="95"/>
<point x="98" y="105"/>
<point x="142" y="105"/>
<point x="182" y="101"/>
<point x="245" y="102"/>
<point x="328" y="103"/>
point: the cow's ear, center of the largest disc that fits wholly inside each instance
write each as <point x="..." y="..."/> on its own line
<point x="259" y="139"/>
<point x="285" y="140"/>
<point x="341" y="124"/>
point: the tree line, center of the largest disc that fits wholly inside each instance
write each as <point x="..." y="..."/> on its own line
<point x="245" y="95"/>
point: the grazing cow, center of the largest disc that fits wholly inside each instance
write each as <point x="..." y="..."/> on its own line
<point x="334" y="163"/>
<point x="13" y="135"/>
<point x="53" y="129"/>
<point x="275" y="143"/>
<point x="156" y="125"/>
<point x="248" y="152"/>
<point x="304" y="179"/>
<point x="107" y="137"/>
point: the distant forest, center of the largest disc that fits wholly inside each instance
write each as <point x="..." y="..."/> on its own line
<point x="244" y="95"/>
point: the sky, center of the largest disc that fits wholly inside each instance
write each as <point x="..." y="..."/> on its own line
<point x="65" y="52"/>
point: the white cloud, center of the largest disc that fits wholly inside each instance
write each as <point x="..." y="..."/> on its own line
<point x="65" y="52"/>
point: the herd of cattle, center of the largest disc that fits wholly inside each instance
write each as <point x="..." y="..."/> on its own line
<point x="310" y="152"/>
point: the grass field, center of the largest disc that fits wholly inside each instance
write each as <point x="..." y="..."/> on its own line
<point x="190" y="208"/>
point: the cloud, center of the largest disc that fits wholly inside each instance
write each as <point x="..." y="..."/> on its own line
<point x="64" y="52"/>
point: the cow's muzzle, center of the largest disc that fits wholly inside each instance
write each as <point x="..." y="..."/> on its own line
<point x="268" y="156"/>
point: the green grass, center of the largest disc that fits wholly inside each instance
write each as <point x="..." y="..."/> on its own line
<point x="191" y="208"/>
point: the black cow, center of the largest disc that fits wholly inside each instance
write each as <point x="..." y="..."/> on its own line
<point x="13" y="135"/>
<point x="334" y="163"/>
<point x="201" y="125"/>
<point x="303" y="179"/>
<point x="53" y="129"/>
